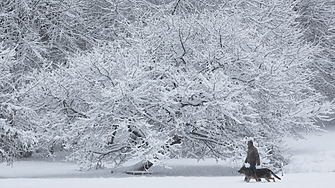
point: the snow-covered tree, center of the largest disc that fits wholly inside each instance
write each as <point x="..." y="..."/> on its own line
<point x="257" y="49"/>
<point x="33" y="34"/>
<point x="317" y="19"/>
<point x="18" y="123"/>
<point x="184" y="85"/>
<point x="42" y="32"/>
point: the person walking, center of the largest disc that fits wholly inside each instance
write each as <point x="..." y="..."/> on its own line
<point x="252" y="157"/>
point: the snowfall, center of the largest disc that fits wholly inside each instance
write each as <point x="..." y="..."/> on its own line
<point x="312" y="165"/>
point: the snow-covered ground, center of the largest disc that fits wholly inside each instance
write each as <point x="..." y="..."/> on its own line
<point x="315" y="154"/>
<point x="290" y="181"/>
<point x="312" y="164"/>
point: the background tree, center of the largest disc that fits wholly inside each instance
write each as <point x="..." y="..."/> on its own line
<point x="154" y="80"/>
<point x="42" y="32"/>
<point x="317" y="20"/>
<point x="184" y="85"/>
<point x="33" y="35"/>
<point x="264" y="66"/>
<point x="18" y="123"/>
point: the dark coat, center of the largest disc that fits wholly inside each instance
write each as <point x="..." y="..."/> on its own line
<point x="252" y="156"/>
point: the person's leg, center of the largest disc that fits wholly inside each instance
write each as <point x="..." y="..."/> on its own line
<point x="252" y="166"/>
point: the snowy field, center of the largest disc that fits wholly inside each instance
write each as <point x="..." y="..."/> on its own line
<point x="312" y="165"/>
